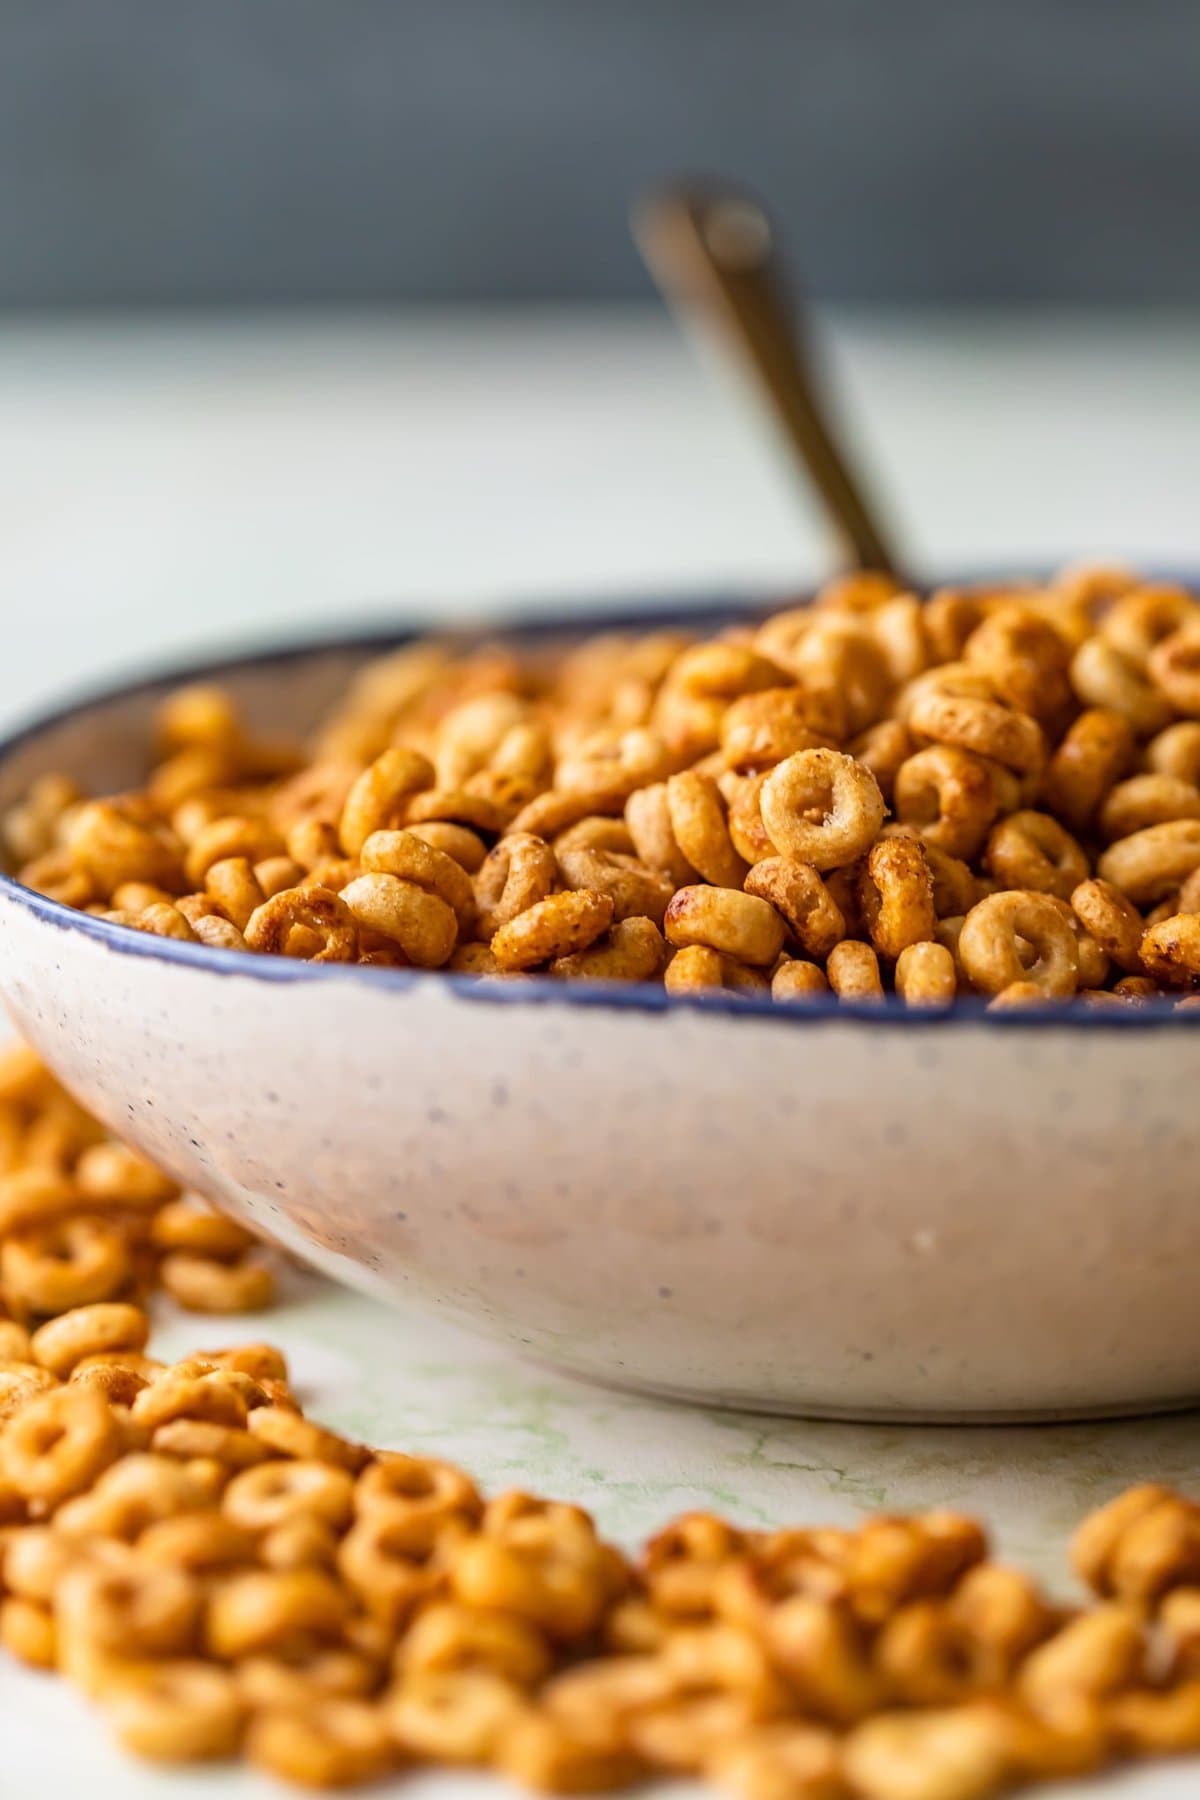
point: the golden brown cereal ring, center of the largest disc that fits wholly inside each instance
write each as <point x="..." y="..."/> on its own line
<point x="989" y="951"/>
<point x="1150" y="799"/>
<point x="186" y="1225"/>
<point x="449" y="1639"/>
<point x="1102" y="676"/>
<point x="896" y="895"/>
<point x="268" y="1683"/>
<point x="760" y="730"/>
<point x="734" y="924"/>
<point x="1031" y="850"/>
<point x="797" y="980"/>
<point x="463" y="806"/>
<point x="883" y="749"/>
<point x="633" y="950"/>
<point x="300" y="1543"/>
<point x="177" y="1712"/>
<point x="201" y="1543"/>
<point x="270" y="1610"/>
<point x="315" y="912"/>
<point x="458" y="841"/>
<point x="32" y="1196"/>
<point x="289" y="1435"/>
<point x="110" y="847"/>
<point x="1171" y="951"/>
<point x="425" y="928"/>
<point x="548" y="1754"/>
<point x="648" y="818"/>
<point x="411" y="858"/>
<point x="65" y="1263"/>
<point x="1107" y="916"/>
<point x="455" y="1717"/>
<point x="202" y="1285"/>
<point x="1175" y="665"/>
<point x="1149" y="863"/>
<point x="694" y="970"/>
<point x="89" y="1331"/>
<point x="232" y="838"/>
<point x="747" y="832"/>
<point x="235" y="889"/>
<point x="843" y="795"/>
<point x="700" y="829"/>
<point x="1176" y="751"/>
<point x="20" y="1382"/>
<point x="57" y="1444"/>
<point x="331" y="1743"/>
<point x="853" y="971"/>
<point x="278" y="1492"/>
<point x="557" y="926"/>
<point x="166" y="920"/>
<point x="27" y="1631"/>
<point x="985" y="727"/>
<point x="114" y="1175"/>
<point x="517" y="874"/>
<point x="799" y="895"/>
<point x="379" y="798"/>
<point x="1142" y="619"/>
<point x="926" y="975"/>
<point x="15" y="1343"/>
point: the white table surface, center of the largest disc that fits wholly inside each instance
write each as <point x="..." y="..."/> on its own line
<point x="165" y="486"/>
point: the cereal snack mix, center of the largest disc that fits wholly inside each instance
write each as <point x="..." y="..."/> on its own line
<point x="991" y="794"/>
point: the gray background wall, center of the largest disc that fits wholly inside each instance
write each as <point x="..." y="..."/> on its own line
<point x="396" y="150"/>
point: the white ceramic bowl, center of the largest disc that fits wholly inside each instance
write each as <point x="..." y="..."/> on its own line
<point x="855" y="1213"/>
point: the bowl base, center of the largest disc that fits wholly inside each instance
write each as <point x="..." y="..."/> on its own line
<point x="876" y="1415"/>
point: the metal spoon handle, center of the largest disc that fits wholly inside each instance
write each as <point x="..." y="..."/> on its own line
<point x="710" y="250"/>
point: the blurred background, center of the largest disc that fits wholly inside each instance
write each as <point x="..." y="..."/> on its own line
<point x="314" y="310"/>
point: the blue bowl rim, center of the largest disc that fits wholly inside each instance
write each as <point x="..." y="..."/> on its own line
<point x="637" y="997"/>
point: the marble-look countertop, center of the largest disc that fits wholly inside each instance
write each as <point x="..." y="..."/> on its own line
<point x="164" y="486"/>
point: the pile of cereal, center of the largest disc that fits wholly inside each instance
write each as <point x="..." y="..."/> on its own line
<point x="995" y="792"/>
<point x="223" y="1577"/>
<point x="83" y="1218"/>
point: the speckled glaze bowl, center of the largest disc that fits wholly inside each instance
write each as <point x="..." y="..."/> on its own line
<point x="849" y="1212"/>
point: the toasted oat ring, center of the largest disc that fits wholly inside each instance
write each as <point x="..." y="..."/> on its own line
<point x="28" y="1632"/>
<point x="65" y="1263"/>
<point x="230" y="837"/>
<point x="635" y="891"/>
<point x="19" y="1383"/>
<point x="517" y="874"/>
<point x="201" y="1284"/>
<point x="131" y="1608"/>
<point x="1108" y="917"/>
<point x="455" y="1716"/>
<point x="175" y="1711"/>
<point x="556" y="926"/>
<point x="404" y="854"/>
<point x="842" y="794"/>
<point x="380" y="795"/>
<point x="1149" y="799"/>
<point x="89" y="1331"/>
<point x="277" y="1492"/>
<point x="926" y="975"/>
<point x="722" y="919"/>
<point x="266" y="1683"/>
<point x="58" y="1443"/>
<point x="270" y="1609"/>
<point x="632" y="950"/>
<point x="1102" y="676"/>
<point x="896" y="895"/>
<point x="694" y="970"/>
<point x="232" y="884"/>
<point x="1151" y="863"/>
<point x="330" y="1743"/>
<point x="747" y="833"/>
<point x="451" y="1639"/>
<point x="760" y="730"/>
<point x="422" y="1487"/>
<point x="115" y="1175"/>
<point x="1175" y="665"/>
<point x="648" y="818"/>
<point x="183" y="1225"/>
<point x="1138" y="622"/>
<point x="700" y="828"/>
<point x="290" y="1435"/>
<point x="459" y="841"/>
<point x="315" y="911"/>
<point x="1032" y="850"/>
<point x="799" y="895"/>
<point x="1013" y="739"/>
<point x="988" y="944"/>
<point x="853" y="971"/>
<point x="793" y="979"/>
<point x="423" y="925"/>
<point x="1176" y="751"/>
<point x="1171" y="950"/>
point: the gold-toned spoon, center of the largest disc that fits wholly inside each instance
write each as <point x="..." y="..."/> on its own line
<point x="711" y="252"/>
